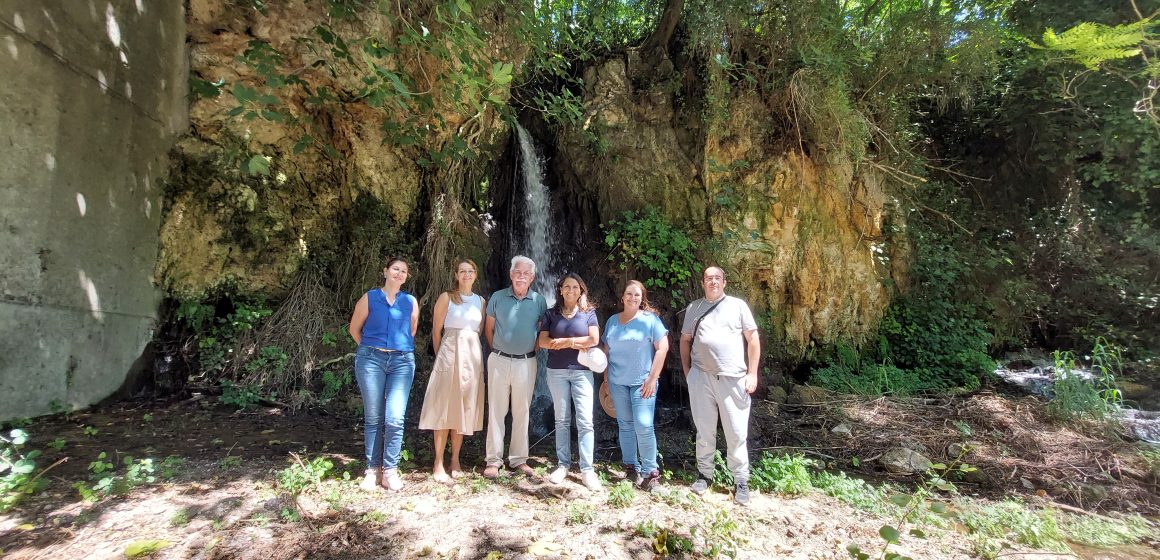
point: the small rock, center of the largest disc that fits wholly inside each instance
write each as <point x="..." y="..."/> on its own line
<point x="777" y="394"/>
<point x="842" y="430"/>
<point x="905" y="461"/>
<point x="805" y="394"/>
<point x="915" y="446"/>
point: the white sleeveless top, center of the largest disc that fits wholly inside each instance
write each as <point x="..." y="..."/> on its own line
<point x="466" y="315"/>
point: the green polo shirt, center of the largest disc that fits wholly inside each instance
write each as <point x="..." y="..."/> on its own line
<point x="517" y="320"/>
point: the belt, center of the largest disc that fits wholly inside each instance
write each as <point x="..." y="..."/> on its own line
<point x="516" y="356"/>
<point x="387" y="351"/>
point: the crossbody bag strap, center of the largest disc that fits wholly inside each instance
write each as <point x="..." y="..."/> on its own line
<point x="697" y="323"/>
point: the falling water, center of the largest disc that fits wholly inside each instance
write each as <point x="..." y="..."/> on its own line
<point x="541" y="246"/>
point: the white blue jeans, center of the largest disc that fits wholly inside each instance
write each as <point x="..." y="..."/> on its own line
<point x="573" y="388"/>
<point x="384" y="379"/>
<point x="634" y="416"/>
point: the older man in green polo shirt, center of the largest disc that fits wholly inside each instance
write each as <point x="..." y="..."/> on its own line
<point x="513" y="317"/>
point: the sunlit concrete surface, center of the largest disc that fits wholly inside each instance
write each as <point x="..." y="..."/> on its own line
<point x="92" y="95"/>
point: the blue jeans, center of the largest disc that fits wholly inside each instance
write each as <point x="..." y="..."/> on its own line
<point x="384" y="379"/>
<point x="568" y="387"/>
<point x="634" y="415"/>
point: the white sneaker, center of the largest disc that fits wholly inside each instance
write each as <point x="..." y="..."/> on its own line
<point x="592" y="481"/>
<point x="391" y="480"/>
<point x="370" y="481"/>
<point x="558" y="475"/>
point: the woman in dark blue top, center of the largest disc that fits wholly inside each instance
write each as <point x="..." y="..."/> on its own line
<point x="565" y="330"/>
<point x="383" y="324"/>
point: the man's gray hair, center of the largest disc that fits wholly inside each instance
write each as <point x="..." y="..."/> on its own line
<point x="520" y="259"/>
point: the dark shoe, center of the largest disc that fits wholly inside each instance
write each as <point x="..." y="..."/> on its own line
<point x="741" y="494"/>
<point x="650" y="482"/>
<point x="632" y="475"/>
<point x="700" y="486"/>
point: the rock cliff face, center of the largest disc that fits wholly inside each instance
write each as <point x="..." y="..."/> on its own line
<point x="804" y="235"/>
<point x="233" y="220"/>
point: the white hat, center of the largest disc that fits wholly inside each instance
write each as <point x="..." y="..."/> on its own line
<point x="593" y="359"/>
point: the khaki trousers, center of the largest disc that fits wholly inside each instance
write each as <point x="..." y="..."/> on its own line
<point x="509" y="380"/>
<point x="713" y="397"/>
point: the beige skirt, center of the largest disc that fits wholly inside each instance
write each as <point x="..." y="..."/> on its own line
<point x="454" y="398"/>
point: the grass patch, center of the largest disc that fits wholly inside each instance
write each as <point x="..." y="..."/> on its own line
<point x="1095" y="531"/>
<point x="995" y="526"/>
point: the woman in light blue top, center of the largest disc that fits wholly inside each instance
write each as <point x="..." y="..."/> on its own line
<point x="636" y="341"/>
<point x="383" y="324"/>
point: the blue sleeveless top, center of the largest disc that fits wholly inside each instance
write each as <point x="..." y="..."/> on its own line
<point x="389" y="326"/>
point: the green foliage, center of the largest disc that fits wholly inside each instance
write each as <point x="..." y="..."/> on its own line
<point x="108" y="481"/>
<point x="17" y="468"/>
<point x="784" y="474"/>
<point x="241" y="396"/>
<point x="1011" y="521"/>
<point x="1074" y="396"/>
<point x="1093" y="44"/>
<point x="855" y="492"/>
<point x="580" y="513"/>
<point x="721" y="535"/>
<point x="722" y="476"/>
<point x="1105" y="531"/>
<point x="621" y="495"/>
<point x="647" y="243"/>
<point x="301" y="475"/>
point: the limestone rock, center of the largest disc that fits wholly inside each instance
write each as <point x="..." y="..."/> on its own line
<point x="905" y="461"/>
<point x="842" y="430"/>
<point x="805" y="394"/>
<point x="776" y="394"/>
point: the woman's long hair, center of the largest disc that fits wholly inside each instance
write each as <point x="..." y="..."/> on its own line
<point x="645" y="305"/>
<point x="583" y="304"/>
<point x="453" y="292"/>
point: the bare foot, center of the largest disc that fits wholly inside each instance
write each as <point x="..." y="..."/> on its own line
<point x="491" y="472"/>
<point x="456" y="473"/>
<point x="442" y="478"/>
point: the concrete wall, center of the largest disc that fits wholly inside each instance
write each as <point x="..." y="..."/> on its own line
<point x="92" y="95"/>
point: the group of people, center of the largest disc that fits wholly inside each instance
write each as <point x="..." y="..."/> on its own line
<point x="719" y="349"/>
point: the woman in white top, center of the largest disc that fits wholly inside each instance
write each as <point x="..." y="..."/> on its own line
<point x="454" y="399"/>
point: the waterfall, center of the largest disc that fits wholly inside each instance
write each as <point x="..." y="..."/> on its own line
<point x="540" y="244"/>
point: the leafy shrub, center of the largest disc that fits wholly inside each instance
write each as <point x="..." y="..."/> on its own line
<point x="621" y="495"/>
<point x="301" y="475"/>
<point x="17" y="466"/>
<point x="784" y="474"/>
<point x="241" y="396"/>
<point x="648" y="241"/>
<point x="1014" y="522"/>
<point x="1076" y="397"/>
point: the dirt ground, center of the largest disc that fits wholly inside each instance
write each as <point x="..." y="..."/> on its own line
<point x="223" y="500"/>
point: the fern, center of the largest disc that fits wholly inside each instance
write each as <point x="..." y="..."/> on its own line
<point x="1092" y="44"/>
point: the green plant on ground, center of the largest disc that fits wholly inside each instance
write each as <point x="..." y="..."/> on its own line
<point x="136" y="472"/>
<point x="721" y="535"/>
<point x="621" y="494"/>
<point x="301" y="475"/>
<point x="649" y="241"/>
<point x="784" y="474"/>
<point x="912" y="505"/>
<point x="666" y="542"/>
<point x="230" y="462"/>
<point x="57" y="443"/>
<point x="1075" y="397"/>
<point x="722" y="476"/>
<point x="17" y="465"/>
<point x="90" y="431"/>
<point x="180" y="518"/>
<point x="170" y="467"/>
<point x="1105" y="531"/>
<point x="241" y="396"/>
<point x="993" y="526"/>
<point x="855" y="492"/>
<point x="580" y="513"/>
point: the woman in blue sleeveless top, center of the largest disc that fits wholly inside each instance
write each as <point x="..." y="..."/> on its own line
<point x="383" y="324"/>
